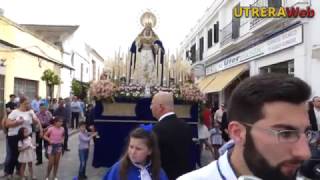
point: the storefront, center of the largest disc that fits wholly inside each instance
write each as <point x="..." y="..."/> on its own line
<point x="222" y="83"/>
<point x="277" y="54"/>
<point x="286" y="67"/>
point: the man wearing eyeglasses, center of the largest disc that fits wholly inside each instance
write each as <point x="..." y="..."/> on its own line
<point x="270" y="128"/>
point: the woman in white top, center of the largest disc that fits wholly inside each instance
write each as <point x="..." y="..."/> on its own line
<point x="20" y="117"/>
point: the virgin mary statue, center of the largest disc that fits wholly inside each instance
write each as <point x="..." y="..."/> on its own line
<point x="146" y="63"/>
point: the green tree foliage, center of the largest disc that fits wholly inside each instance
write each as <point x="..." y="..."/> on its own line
<point x="51" y="80"/>
<point x="79" y="89"/>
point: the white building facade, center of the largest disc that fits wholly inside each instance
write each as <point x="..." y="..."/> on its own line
<point x="87" y="63"/>
<point x="225" y="49"/>
<point x="82" y="62"/>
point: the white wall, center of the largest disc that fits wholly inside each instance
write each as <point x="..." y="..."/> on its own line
<point x="225" y="14"/>
<point x="78" y="61"/>
<point x="315" y="80"/>
<point x="66" y="74"/>
<point x="65" y="87"/>
<point x="315" y="40"/>
<point x="99" y="67"/>
<point x="76" y="45"/>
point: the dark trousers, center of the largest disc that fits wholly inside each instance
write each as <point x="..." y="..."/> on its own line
<point x="66" y="136"/>
<point x="83" y="156"/>
<point x="8" y="155"/>
<point x="40" y="143"/>
<point x="14" y="153"/>
<point x="75" y="119"/>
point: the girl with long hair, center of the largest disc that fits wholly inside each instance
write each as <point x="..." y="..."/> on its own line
<point x="141" y="161"/>
<point x="27" y="152"/>
<point x="55" y="137"/>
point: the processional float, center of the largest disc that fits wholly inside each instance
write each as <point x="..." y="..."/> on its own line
<point x="123" y="103"/>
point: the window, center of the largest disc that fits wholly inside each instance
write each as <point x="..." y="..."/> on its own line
<point x="282" y="68"/>
<point x="28" y="87"/>
<point x="216" y="32"/>
<point x="193" y="53"/>
<point x="210" y="38"/>
<point x="201" y="48"/>
<point x="274" y="3"/>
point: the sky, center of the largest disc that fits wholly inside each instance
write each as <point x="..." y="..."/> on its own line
<point x="110" y="26"/>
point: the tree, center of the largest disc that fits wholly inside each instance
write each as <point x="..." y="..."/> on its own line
<point x="51" y="80"/>
<point x="79" y="88"/>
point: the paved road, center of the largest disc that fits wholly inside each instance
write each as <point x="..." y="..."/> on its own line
<point x="69" y="163"/>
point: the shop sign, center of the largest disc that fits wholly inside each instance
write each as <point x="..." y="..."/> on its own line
<point x="285" y="40"/>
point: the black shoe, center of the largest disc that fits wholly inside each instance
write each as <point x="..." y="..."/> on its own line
<point x="82" y="177"/>
<point x="38" y="163"/>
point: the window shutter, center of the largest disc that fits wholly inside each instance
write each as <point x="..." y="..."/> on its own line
<point x="201" y="48"/>
<point x="193" y="53"/>
<point x="216" y="32"/>
<point x="210" y="38"/>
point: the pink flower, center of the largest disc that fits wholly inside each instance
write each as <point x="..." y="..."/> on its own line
<point x="102" y="89"/>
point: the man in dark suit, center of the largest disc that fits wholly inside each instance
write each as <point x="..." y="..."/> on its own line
<point x="174" y="136"/>
<point x="314" y="114"/>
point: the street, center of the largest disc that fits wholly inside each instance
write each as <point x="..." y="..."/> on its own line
<point x="69" y="162"/>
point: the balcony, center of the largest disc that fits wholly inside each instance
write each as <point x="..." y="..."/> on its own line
<point x="226" y="34"/>
<point x="257" y="3"/>
<point x="281" y="3"/>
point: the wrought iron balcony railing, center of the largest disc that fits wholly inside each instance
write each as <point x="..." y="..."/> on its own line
<point x="226" y="34"/>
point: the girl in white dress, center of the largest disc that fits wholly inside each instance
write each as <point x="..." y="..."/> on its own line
<point x="27" y="152"/>
<point x="216" y="139"/>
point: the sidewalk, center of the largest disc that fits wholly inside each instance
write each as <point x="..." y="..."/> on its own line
<point x="3" y="145"/>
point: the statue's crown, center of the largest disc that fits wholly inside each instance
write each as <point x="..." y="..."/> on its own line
<point x="148" y="19"/>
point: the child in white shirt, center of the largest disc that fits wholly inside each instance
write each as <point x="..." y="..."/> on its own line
<point x="216" y="139"/>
